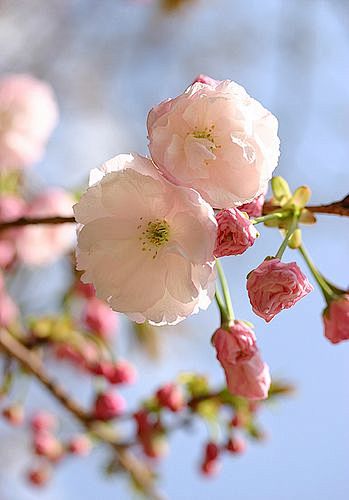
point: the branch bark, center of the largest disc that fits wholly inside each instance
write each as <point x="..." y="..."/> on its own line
<point x="340" y="207"/>
<point x="32" y="363"/>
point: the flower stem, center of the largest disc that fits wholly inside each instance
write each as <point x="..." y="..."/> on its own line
<point x="272" y="216"/>
<point x="291" y="229"/>
<point x="328" y="293"/>
<point x="222" y="309"/>
<point x="229" y="312"/>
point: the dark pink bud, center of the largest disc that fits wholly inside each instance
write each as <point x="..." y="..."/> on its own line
<point x="171" y="397"/>
<point x="80" y="445"/>
<point x="211" y="451"/>
<point x="236" y="445"/>
<point x="109" y="405"/>
<point x="39" y="476"/>
<point x="14" y="414"/>
<point x="43" y="421"/>
<point x="122" y="372"/>
<point x="46" y="445"/>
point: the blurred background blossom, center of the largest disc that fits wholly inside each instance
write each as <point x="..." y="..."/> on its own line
<point x="109" y="62"/>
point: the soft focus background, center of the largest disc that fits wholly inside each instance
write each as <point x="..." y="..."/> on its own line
<point x="109" y="61"/>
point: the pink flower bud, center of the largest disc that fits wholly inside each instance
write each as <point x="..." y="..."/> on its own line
<point x="14" y="414"/>
<point x="210" y="467"/>
<point x="109" y="405"/>
<point x="80" y="445"/>
<point x="143" y="422"/>
<point x="46" y="445"/>
<point x="43" y="421"/>
<point x="336" y="320"/>
<point x="122" y="372"/>
<point x="236" y="445"/>
<point x="254" y="208"/>
<point x="211" y="451"/>
<point x="274" y="286"/>
<point x="100" y="318"/>
<point x="245" y="372"/>
<point x="235" y="233"/>
<point x="171" y="397"/>
<point x="39" y="476"/>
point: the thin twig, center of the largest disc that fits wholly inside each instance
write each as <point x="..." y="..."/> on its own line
<point x="31" y="362"/>
<point x="340" y="207"/>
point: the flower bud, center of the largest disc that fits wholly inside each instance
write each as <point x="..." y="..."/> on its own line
<point x="109" y="405"/>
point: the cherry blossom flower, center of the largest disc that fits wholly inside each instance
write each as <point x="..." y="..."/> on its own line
<point x="274" y="286"/>
<point x="235" y="233"/>
<point x="11" y="208"/>
<point x="146" y="244"/>
<point x="41" y="244"/>
<point x="28" y="114"/>
<point x="336" y="319"/>
<point x="216" y="139"/>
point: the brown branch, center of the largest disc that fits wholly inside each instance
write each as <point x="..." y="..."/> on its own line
<point x="340" y="207"/>
<point x="31" y="362"/>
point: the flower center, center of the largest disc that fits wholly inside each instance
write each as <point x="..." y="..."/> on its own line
<point x="206" y="133"/>
<point x="154" y="235"/>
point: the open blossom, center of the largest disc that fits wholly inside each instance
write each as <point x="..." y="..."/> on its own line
<point x="246" y="374"/>
<point x="146" y="244"/>
<point x="274" y="286"/>
<point x="40" y="244"/>
<point x="28" y="114"/>
<point x="11" y="208"/>
<point x="216" y="139"/>
<point x="235" y="233"/>
<point x="336" y="320"/>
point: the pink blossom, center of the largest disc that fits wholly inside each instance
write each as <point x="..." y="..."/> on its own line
<point x="80" y="445"/>
<point x="274" y="286"/>
<point x="41" y="244"/>
<point x="171" y="397"/>
<point x="336" y="320"/>
<point x="109" y="405"/>
<point x="99" y="318"/>
<point x="216" y="139"/>
<point x="146" y="244"/>
<point x="11" y="208"/>
<point x="43" y="421"/>
<point x="246" y="374"/>
<point x="235" y="233"/>
<point x="255" y="207"/>
<point x="28" y="114"/>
